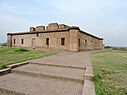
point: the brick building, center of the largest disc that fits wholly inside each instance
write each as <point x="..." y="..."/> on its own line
<point x="56" y="37"/>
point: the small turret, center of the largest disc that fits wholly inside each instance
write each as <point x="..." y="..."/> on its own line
<point x="40" y="28"/>
<point x="32" y="29"/>
<point x="52" y="26"/>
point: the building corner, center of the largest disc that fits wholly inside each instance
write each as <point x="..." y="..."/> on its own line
<point x="73" y="39"/>
<point x="9" y="40"/>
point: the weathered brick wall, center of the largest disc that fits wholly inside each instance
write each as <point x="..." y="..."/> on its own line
<point x="52" y="26"/>
<point x="40" y="28"/>
<point x="75" y="39"/>
<point x="27" y="40"/>
<point x="84" y="42"/>
<point x="63" y="26"/>
<point x="9" y="40"/>
<point x="32" y="29"/>
<point x="88" y="42"/>
<point x="40" y="40"/>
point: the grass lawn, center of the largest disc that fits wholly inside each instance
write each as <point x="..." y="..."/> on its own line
<point x="14" y="55"/>
<point x="110" y="70"/>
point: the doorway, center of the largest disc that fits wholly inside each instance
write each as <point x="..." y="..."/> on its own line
<point x="47" y="42"/>
<point x="33" y="43"/>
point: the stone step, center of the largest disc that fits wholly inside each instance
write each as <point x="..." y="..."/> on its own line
<point x="4" y="91"/>
<point x="75" y="59"/>
<point x="44" y="71"/>
<point x="58" y="65"/>
<point x="15" y="84"/>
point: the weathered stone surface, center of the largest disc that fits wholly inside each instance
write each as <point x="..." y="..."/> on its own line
<point x="74" y="38"/>
<point x="9" y="40"/>
<point x="5" y="71"/>
<point x="52" y="26"/>
<point x="88" y="88"/>
<point x="40" y="28"/>
<point x="66" y="59"/>
<point x="52" y="71"/>
<point x="32" y="29"/>
<point x="38" y="86"/>
<point x="66" y="76"/>
<point x="18" y="64"/>
<point x="63" y="26"/>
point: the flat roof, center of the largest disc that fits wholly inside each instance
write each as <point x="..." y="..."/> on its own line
<point x="45" y="31"/>
<point x="90" y="35"/>
<point x="50" y="31"/>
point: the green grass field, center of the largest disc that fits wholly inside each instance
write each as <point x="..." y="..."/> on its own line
<point x="110" y="70"/>
<point x="14" y="55"/>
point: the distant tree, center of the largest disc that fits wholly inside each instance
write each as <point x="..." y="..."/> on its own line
<point x="108" y="47"/>
<point x="4" y="44"/>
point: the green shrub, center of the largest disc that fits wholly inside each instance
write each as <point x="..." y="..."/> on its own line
<point x="21" y="50"/>
<point x="4" y="66"/>
<point x="107" y="47"/>
<point x="4" y="44"/>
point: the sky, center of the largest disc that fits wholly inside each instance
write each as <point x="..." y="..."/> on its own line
<point x="103" y="18"/>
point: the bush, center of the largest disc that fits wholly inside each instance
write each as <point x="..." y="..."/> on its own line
<point x="4" y="66"/>
<point x="21" y="50"/>
<point x="4" y="44"/>
<point x="107" y="47"/>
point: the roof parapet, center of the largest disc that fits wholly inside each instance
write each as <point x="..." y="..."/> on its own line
<point x="32" y="29"/>
<point x="40" y="28"/>
<point x="52" y="26"/>
<point x="63" y="26"/>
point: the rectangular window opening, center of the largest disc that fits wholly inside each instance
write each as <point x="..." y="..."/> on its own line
<point x="14" y="41"/>
<point x="62" y="41"/>
<point x="47" y="41"/>
<point x="22" y="41"/>
<point x="85" y="42"/>
<point x="79" y="42"/>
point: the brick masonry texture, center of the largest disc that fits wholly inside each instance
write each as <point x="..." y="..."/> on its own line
<point x="55" y="37"/>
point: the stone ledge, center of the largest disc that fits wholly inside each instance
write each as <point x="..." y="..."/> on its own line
<point x="5" y="71"/>
<point x="89" y="73"/>
<point x="8" y="70"/>
<point x="47" y="76"/>
<point x="88" y="88"/>
<point x="18" y="64"/>
<point x="56" y="65"/>
<point x="8" y="92"/>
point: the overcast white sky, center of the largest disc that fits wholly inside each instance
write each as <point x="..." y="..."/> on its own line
<point x="104" y="18"/>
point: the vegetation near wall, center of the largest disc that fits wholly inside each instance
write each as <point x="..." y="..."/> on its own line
<point x="110" y="70"/>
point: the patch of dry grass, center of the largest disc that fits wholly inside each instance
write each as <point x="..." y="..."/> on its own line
<point x="110" y="70"/>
